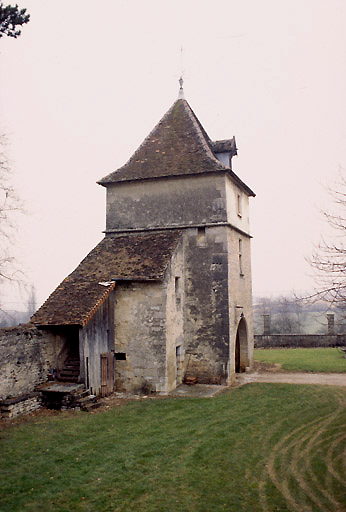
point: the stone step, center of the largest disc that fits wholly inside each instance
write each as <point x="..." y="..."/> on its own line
<point x="82" y="394"/>
<point x="69" y="378"/>
<point x="65" y="371"/>
<point x="72" y="365"/>
<point x="70" y="371"/>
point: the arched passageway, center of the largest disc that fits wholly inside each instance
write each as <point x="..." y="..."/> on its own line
<point x="241" y="347"/>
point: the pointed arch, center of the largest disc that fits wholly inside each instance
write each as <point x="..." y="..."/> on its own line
<point x="241" y="347"/>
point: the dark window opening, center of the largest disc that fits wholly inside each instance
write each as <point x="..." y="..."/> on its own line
<point x="239" y="205"/>
<point x="241" y="258"/>
<point x="200" y="236"/>
<point x="177" y="284"/>
<point x="120" y="356"/>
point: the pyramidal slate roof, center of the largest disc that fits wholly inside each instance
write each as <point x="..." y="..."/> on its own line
<point x="177" y="146"/>
<point x="140" y="257"/>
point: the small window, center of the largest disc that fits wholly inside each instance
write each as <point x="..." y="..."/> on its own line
<point x="241" y="258"/>
<point x="120" y="356"/>
<point x="239" y="205"/>
<point x="177" y="285"/>
<point x="200" y="236"/>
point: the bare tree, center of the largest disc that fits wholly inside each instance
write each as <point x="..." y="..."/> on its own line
<point x="31" y="301"/>
<point x="287" y="314"/>
<point x="10" y="207"/>
<point x="329" y="257"/>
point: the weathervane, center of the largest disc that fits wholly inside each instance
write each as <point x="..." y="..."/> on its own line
<point x="181" y="81"/>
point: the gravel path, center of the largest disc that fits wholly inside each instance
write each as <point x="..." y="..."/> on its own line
<point x="328" y="379"/>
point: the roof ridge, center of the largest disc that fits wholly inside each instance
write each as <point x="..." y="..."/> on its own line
<point x="147" y="138"/>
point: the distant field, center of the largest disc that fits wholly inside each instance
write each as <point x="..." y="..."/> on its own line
<point x="261" y="447"/>
<point x="304" y="359"/>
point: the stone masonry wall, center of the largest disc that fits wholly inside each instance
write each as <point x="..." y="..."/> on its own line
<point x="162" y="203"/>
<point x="26" y="354"/>
<point x="240" y="298"/>
<point x="173" y="288"/>
<point x="140" y="335"/>
<point x="206" y="326"/>
<point x="24" y="404"/>
<point x="299" y="340"/>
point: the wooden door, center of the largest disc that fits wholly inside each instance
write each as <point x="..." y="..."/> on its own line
<point x="237" y="354"/>
<point x="107" y="373"/>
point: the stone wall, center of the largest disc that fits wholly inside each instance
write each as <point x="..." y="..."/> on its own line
<point x="240" y="299"/>
<point x="166" y="202"/>
<point x="173" y="290"/>
<point x="140" y="337"/>
<point x="23" y="404"/>
<point x="299" y="340"/>
<point x="206" y="322"/>
<point x="26" y="354"/>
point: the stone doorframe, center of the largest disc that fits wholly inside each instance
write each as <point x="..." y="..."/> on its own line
<point x="241" y="356"/>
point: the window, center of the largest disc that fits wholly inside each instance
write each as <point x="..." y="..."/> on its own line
<point x="239" y="205"/>
<point x="201" y="237"/>
<point x="240" y="258"/>
<point x="177" y="285"/>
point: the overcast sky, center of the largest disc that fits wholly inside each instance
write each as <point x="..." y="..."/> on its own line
<point x="87" y="81"/>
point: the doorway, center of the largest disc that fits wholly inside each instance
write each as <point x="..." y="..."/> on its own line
<point x="241" y="347"/>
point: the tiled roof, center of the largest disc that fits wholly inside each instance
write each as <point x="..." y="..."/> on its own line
<point x="132" y="256"/>
<point x="177" y="146"/>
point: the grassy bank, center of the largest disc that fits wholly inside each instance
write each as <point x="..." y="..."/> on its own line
<point x="304" y="359"/>
<point x="259" y="447"/>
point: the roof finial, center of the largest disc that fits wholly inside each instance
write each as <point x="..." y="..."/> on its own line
<point x="181" y="90"/>
<point x="181" y="81"/>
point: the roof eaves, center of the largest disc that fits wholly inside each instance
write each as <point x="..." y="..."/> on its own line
<point x="85" y="319"/>
<point x="241" y="184"/>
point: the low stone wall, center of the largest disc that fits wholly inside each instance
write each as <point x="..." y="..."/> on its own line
<point x="299" y="340"/>
<point x="26" y="354"/>
<point x="24" y="404"/>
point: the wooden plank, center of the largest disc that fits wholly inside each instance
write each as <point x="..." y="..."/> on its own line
<point x="104" y="368"/>
<point x="107" y="373"/>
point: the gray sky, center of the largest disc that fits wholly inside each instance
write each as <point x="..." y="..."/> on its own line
<point x="87" y="81"/>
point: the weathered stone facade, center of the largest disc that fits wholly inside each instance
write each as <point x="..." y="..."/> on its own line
<point x="26" y="354"/>
<point x="149" y="329"/>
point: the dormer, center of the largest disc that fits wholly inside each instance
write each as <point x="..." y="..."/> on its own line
<point x="225" y="150"/>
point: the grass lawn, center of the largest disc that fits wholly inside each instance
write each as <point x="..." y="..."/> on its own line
<point x="304" y="359"/>
<point x="259" y="447"/>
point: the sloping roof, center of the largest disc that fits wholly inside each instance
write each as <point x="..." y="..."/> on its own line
<point x="131" y="256"/>
<point x="177" y="146"/>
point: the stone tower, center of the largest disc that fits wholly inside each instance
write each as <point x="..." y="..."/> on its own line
<point x="179" y="179"/>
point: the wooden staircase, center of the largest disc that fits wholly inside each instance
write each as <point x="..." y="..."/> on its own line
<point x="71" y="370"/>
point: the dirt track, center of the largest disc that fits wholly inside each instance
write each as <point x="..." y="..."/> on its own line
<point x="273" y="374"/>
